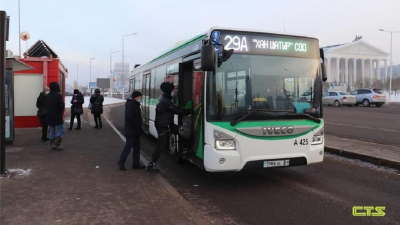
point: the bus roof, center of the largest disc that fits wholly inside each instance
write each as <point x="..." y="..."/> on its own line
<point x="257" y="31"/>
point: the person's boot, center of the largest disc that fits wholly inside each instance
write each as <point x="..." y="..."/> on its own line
<point x="78" y="128"/>
<point x="58" y="144"/>
<point x="70" y="128"/>
<point x="152" y="168"/>
<point x="52" y="144"/>
<point x="121" y="166"/>
<point x="97" y="126"/>
<point x="101" y="125"/>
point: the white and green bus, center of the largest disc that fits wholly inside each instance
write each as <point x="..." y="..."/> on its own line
<point x="247" y="92"/>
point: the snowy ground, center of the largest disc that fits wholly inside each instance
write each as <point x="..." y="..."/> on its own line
<point x="395" y="96"/>
<point x="107" y="101"/>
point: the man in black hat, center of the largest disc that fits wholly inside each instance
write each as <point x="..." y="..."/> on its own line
<point x="164" y="122"/>
<point x="132" y="131"/>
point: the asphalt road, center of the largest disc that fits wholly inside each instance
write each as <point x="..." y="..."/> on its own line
<point x="317" y="194"/>
<point x="379" y="125"/>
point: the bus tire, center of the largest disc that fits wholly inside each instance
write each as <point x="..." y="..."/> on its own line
<point x="173" y="148"/>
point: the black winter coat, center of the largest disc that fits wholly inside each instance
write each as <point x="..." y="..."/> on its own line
<point x="55" y="106"/>
<point x="97" y="103"/>
<point x="79" y="103"/>
<point x="165" y="111"/>
<point x="133" y="118"/>
<point x="41" y="104"/>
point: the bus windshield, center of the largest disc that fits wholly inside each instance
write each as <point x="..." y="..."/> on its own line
<point x="270" y="83"/>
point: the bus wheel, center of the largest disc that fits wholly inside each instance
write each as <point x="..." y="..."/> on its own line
<point x="172" y="144"/>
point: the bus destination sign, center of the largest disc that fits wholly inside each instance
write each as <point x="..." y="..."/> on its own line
<point x="268" y="44"/>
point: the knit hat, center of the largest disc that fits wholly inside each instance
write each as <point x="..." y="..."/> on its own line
<point x="167" y="87"/>
<point x="76" y="91"/>
<point x="136" y="94"/>
<point x="97" y="91"/>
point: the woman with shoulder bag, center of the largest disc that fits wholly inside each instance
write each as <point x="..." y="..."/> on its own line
<point x="42" y="112"/>
<point x="76" y="109"/>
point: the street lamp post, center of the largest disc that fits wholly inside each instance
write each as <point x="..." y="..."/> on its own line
<point x="90" y="79"/>
<point x="123" y="67"/>
<point x="391" y="69"/>
<point x="77" y="83"/>
<point x="111" y="79"/>
<point x="19" y="27"/>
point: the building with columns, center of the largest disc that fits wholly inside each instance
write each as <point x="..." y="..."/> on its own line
<point x="355" y="63"/>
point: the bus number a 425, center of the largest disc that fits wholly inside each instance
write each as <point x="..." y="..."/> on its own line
<point x="300" y="142"/>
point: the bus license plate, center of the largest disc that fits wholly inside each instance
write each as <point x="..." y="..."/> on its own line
<point x="276" y="163"/>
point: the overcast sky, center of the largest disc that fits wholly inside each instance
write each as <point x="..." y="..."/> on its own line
<point x="78" y="30"/>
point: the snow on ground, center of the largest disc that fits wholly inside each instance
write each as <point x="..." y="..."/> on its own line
<point x="17" y="172"/>
<point x="107" y="101"/>
<point x="394" y="98"/>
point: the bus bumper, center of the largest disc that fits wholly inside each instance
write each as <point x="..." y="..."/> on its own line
<point x="223" y="161"/>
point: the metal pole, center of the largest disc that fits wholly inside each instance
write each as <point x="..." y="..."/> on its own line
<point x="391" y="71"/>
<point x="3" y="38"/>
<point x="19" y="28"/>
<point x="123" y="77"/>
<point x="77" y="83"/>
<point x="110" y="78"/>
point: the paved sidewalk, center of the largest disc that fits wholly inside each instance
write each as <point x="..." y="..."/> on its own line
<point x="65" y="187"/>
<point x="385" y="155"/>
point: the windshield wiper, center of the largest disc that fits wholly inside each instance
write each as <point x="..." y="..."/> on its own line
<point x="242" y="117"/>
<point x="306" y="115"/>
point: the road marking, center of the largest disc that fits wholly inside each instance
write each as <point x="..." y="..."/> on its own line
<point x="191" y="212"/>
<point x="363" y="127"/>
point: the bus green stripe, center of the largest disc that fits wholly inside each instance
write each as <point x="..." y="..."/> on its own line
<point x="247" y="124"/>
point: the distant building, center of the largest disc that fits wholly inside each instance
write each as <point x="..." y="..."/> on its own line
<point x="354" y="63"/>
<point x="117" y="76"/>
<point x="395" y="69"/>
<point x="9" y="53"/>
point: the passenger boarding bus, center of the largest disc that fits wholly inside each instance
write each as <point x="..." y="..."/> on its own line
<point x="246" y="90"/>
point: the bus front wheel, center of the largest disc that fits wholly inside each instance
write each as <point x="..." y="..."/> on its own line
<point x="173" y="148"/>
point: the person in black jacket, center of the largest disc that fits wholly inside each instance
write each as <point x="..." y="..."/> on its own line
<point x="132" y="131"/>
<point x="97" y="107"/>
<point x="55" y="108"/>
<point x="42" y="112"/>
<point x="76" y="109"/>
<point x="164" y="122"/>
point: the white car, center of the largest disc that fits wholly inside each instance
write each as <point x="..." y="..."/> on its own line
<point x="338" y="98"/>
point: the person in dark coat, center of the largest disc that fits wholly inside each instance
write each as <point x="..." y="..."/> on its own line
<point x="164" y="122"/>
<point x="55" y="108"/>
<point x="76" y="109"/>
<point x="97" y="107"/>
<point x="132" y="131"/>
<point x="42" y="112"/>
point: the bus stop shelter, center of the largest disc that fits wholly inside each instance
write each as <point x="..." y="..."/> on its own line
<point x="46" y="68"/>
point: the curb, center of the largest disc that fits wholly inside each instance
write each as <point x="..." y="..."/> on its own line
<point x="366" y="158"/>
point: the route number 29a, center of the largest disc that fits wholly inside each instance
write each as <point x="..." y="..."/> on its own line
<point x="300" y="142"/>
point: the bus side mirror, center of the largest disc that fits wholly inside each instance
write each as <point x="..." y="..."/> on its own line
<point x="208" y="57"/>
<point x="324" y="74"/>
<point x="323" y="67"/>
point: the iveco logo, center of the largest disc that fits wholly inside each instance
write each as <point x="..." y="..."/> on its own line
<point x="277" y="130"/>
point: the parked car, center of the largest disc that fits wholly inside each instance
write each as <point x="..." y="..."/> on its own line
<point x="369" y="97"/>
<point x="68" y="93"/>
<point x="338" y="98"/>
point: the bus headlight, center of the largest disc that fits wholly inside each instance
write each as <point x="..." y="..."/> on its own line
<point x="225" y="144"/>
<point x="318" y="138"/>
<point x="224" y="141"/>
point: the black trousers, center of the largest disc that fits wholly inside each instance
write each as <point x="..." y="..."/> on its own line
<point x="78" y="117"/>
<point x="44" y="131"/>
<point x="132" y="142"/>
<point x="163" y="141"/>
<point x="97" y="118"/>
